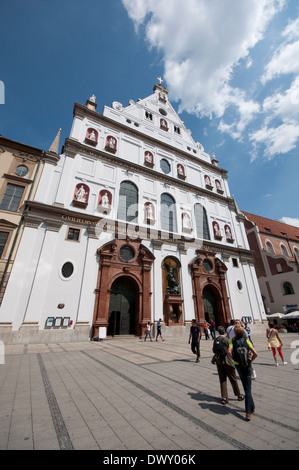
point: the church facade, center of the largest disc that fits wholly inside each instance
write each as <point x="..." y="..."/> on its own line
<point x="132" y="223"/>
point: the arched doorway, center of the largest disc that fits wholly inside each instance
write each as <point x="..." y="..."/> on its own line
<point x="210" y="305"/>
<point x="209" y="288"/>
<point x="122" y="306"/>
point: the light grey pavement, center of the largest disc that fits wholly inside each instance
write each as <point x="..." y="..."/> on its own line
<point x="127" y="394"/>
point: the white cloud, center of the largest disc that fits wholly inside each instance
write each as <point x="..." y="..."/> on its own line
<point x="281" y="108"/>
<point x="277" y="140"/>
<point x="284" y="105"/>
<point x="201" y="44"/>
<point x="290" y="221"/>
<point x="284" y="61"/>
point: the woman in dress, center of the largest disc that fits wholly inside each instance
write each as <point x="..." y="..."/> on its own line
<point x="274" y="342"/>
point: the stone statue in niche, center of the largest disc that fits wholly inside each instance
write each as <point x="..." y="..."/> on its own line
<point x="148" y="157"/>
<point x="228" y="232"/>
<point x="81" y="194"/>
<point x="149" y="211"/>
<point x="186" y="221"/>
<point x="208" y="180"/>
<point x="217" y="231"/>
<point x="92" y="135"/>
<point x="105" y="200"/>
<point x="173" y="287"/>
<point x="180" y="170"/>
<point x="112" y="143"/>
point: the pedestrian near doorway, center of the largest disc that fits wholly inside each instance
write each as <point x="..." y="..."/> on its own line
<point x="148" y="331"/>
<point x="225" y="366"/>
<point x="274" y="342"/>
<point x="213" y="329"/>
<point x="206" y="330"/>
<point x="194" y="338"/>
<point x="243" y="353"/>
<point x="159" y="332"/>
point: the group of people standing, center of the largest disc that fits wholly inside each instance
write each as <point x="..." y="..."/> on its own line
<point x="234" y="352"/>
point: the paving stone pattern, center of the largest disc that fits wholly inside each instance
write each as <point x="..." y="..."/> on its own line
<point x="127" y="394"/>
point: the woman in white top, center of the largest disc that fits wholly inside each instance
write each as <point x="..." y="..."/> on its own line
<point x="274" y="342"/>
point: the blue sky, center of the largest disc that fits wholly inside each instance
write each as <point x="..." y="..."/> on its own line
<point x="231" y="68"/>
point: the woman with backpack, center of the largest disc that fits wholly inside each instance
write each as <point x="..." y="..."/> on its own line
<point x="225" y="366"/>
<point x="243" y="353"/>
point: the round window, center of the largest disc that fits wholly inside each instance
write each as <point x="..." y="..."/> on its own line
<point x="126" y="253"/>
<point x="67" y="269"/>
<point x="163" y="112"/>
<point x="165" y="166"/>
<point x="21" y="170"/>
<point x="207" y="265"/>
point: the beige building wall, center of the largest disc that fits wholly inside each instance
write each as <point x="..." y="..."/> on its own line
<point x="20" y="170"/>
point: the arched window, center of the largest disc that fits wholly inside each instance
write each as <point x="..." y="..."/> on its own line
<point x="288" y="288"/>
<point x="201" y="220"/>
<point x="284" y="251"/>
<point x="168" y="213"/>
<point x="269" y="247"/>
<point x="128" y="202"/>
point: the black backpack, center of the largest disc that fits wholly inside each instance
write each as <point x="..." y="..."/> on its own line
<point x="219" y="348"/>
<point x="240" y="352"/>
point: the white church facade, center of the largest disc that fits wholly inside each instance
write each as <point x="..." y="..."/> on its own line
<point x="131" y="223"/>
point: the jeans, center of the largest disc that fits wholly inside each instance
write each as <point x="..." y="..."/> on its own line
<point x="245" y="376"/>
<point x="147" y="333"/>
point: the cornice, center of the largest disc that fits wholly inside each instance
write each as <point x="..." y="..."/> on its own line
<point x="72" y="147"/>
<point x="24" y="149"/>
<point x="82" y="111"/>
<point x="56" y="216"/>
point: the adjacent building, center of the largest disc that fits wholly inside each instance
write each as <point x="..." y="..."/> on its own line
<point x="20" y="169"/>
<point x="276" y="251"/>
<point x="133" y="222"/>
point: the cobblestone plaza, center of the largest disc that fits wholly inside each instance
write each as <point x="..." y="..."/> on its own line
<point x="126" y="394"/>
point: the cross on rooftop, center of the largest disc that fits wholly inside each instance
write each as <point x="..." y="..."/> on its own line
<point x="160" y="80"/>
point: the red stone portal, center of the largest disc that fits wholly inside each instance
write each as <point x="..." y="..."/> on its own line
<point x="208" y="275"/>
<point x="131" y="260"/>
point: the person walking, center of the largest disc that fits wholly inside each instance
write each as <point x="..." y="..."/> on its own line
<point x="230" y="329"/>
<point x="225" y="366"/>
<point x="241" y="350"/>
<point x="195" y="336"/>
<point x="248" y="331"/>
<point x="213" y="329"/>
<point x="148" y="331"/>
<point x="159" y="333"/>
<point x="206" y="330"/>
<point x="274" y="342"/>
<point x="247" y="335"/>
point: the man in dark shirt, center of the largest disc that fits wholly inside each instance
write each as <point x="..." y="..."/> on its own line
<point x="195" y="335"/>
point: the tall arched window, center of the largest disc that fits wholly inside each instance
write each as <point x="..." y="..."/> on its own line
<point x="201" y="220"/>
<point x="168" y="213"/>
<point x="269" y="247"/>
<point x="128" y="202"/>
<point x="284" y="251"/>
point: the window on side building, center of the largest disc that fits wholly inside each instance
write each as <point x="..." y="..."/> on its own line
<point x="12" y="197"/>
